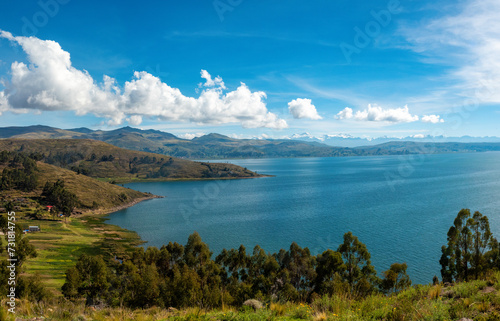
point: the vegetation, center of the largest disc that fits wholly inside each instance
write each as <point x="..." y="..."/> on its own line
<point x="216" y="146"/>
<point x="185" y="276"/>
<point x="149" y="282"/>
<point x="60" y="242"/>
<point x="107" y="162"/>
<point x="62" y="199"/>
<point x="20" y="171"/>
<point x="21" y="250"/>
<point x="79" y="268"/>
<point x="471" y="248"/>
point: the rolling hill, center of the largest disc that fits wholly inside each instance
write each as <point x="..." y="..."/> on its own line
<point x="102" y="160"/>
<point x="216" y="146"/>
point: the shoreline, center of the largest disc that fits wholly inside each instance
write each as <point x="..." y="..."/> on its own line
<point x="151" y="180"/>
<point x="104" y="212"/>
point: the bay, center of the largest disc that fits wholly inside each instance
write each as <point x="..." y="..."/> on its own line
<point x="401" y="207"/>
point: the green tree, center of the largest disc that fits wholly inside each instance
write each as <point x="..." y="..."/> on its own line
<point x="330" y="267"/>
<point x="481" y="241"/>
<point x="196" y="253"/>
<point x="300" y="265"/>
<point x="359" y="273"/>
<point x="70" y="287"/>
<point x="395" y="279"/>
<point x="31" y="287"/>
<point x="469" y="239"/>
<point x="57" y="195"/>
<point x="88" y="278"/>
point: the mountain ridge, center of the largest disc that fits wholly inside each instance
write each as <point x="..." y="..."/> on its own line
<point x="218" y="146"/>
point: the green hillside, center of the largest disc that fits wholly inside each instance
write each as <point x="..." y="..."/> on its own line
<point x="104" y="161"/>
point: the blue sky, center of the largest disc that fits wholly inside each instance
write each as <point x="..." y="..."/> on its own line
<point x="253" y="68"/>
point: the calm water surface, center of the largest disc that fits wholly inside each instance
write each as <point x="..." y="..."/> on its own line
<point x="400" y="207"/>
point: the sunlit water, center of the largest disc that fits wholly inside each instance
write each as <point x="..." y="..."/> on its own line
<point x="400" y="207"/>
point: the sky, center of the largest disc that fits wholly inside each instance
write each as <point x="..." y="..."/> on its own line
<point x="253" y="68"/>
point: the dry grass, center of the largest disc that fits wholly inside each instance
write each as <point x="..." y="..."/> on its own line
<point x="435" y="292"/>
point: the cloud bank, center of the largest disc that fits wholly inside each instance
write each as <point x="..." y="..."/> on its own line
<point x="51" y="83"/>
<point x="301" y="108"/>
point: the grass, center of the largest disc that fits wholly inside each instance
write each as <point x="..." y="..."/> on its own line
<point x="60" y="243"/>
<point x="407" y="305"/>
<point x="477" y="300"/>
<point x="62" y="240"/>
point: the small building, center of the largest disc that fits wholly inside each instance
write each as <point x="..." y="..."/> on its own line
<point x="49" y="208"/>
<point x="34" y="229"/>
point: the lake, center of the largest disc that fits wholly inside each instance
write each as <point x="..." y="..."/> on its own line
<point x="401" y="207"/>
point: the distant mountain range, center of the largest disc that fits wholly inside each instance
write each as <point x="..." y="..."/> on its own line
<point x="346" y="140"/>
<point x="216" y="146"/>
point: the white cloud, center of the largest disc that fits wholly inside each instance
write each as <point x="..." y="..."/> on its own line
<point x="303" y="108"/>
<point x="135" y="120"/>
<point x="434" y="119"/>
<point x="468" y="41"/>
<point x="4" y="105"/>
<point x="191" y="135"/>
<point x="418" y="136"/>
<point x="346" y="113"/>
<point x="209" y="82"/>
<point x="50" y="83"/>
<point x="378" y="114"/>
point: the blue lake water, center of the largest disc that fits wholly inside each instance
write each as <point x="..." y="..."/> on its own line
<point x="401" y="207"/>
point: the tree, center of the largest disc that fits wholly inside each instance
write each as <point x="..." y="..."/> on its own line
<point x="300" y="265"/>
<point x="329" y="270"/>
<point x="70" y="287"/>
<point x="23" y="248"/>
<point x="359" y="273"/>
<point x="88" y="279"/>
<point x="464" y="256"/>
<point x="196" y="253"/>
<point x="57" y="195"/>
<point x="481" y="240"/>
<point x="396" y="279"/>
<point x="31" y="287"/>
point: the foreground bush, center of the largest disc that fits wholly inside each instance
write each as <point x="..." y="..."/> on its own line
<point x="477" y="300"/>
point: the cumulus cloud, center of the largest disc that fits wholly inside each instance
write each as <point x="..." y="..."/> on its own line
<point x="378" y="114"/>
<point x="434" y="119"/>
<point x="303" y="108"/>
<point x="51" y="83"/>
<point x="346" y="113"/>
<point x="209" y="82"/>
<point x="4" y="105"/>
<point x="135" y="120"/>
<point x="191" y="135"/>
